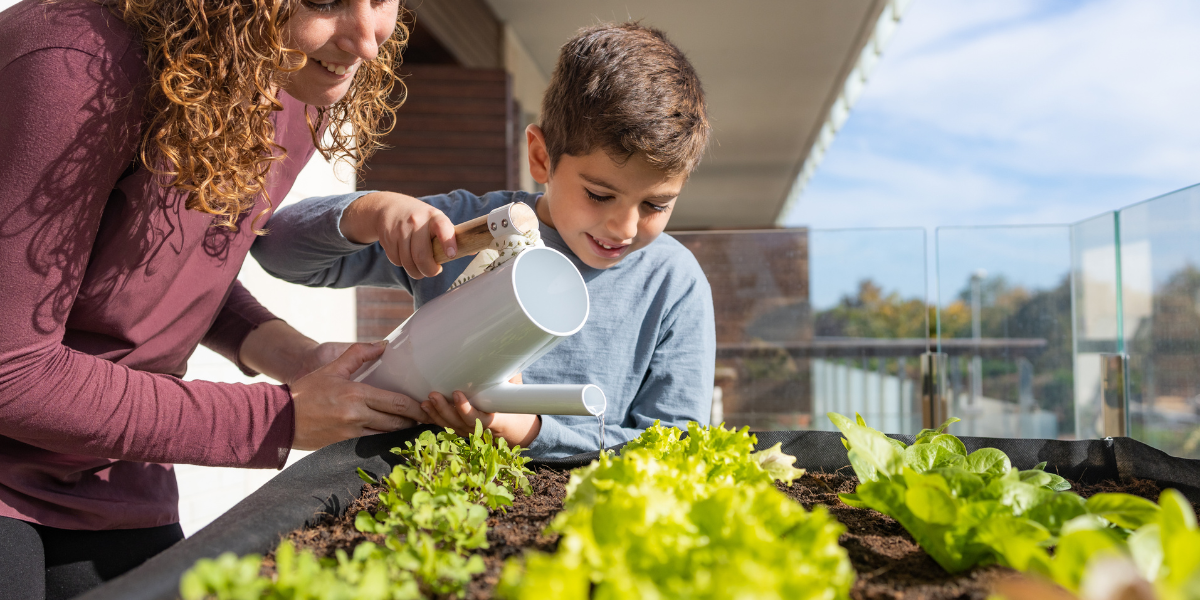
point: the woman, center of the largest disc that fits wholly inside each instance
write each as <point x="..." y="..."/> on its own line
<point x="143" y="143"/>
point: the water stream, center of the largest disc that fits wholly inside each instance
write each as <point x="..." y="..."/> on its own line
<point x="600" y="417"/>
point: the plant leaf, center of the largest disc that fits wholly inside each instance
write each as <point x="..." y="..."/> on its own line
<point x="952" y="420"/>
<point x="1125" y="510"/>
<point x="1016" y="541"/>
<point x="871" y="446"/>
<point x="950" y="443"/>
<point x="1075" y="549"/>
<point x="777" y="464"/>
<point x="1057" y="511"/>
<point x="987" y="461"/>
<point x="852" y="500"/>
<point x="931" y="505"/>
<point x="1146" y="548"/>
<point x="1177" y="513"/>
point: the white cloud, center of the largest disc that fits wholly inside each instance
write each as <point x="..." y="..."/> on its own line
<point x="1003" y="112"/>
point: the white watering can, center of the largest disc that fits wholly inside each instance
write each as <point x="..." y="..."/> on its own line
<point x="480" y="334"/>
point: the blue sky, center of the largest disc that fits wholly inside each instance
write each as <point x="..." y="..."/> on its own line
<point x="1007" y="112"/>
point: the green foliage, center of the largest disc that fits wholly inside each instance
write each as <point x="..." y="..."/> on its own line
<point x="872" y="313"/>
<point x="301" y="577"/>
<point x="225" y="578"/>
<point x="969" y="508"/>
<point x="434" y="509"/>
<point x="1178" y="575"/>
<point x="693" y="518"/>
<point x="1009" y="311"/>
<point x="1164" y="546"/>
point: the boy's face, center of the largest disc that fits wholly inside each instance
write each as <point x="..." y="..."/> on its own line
<point x="603" y="210"/>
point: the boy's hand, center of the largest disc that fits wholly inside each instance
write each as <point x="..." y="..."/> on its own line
<point x="404" y="226"/>
<point x="458" y="414"/>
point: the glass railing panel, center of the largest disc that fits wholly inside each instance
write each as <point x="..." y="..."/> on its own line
<point x="811" y="321"/>
<point x="1094" y="281"/>
<point x="1004" y="320"/>
<point x="870" y="325"/>
<point x="1160" y="317"/>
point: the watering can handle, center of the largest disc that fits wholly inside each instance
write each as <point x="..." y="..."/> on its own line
<point x="478" y="233"/>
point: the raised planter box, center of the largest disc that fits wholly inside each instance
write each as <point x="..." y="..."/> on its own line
<point x="326" y="482"/>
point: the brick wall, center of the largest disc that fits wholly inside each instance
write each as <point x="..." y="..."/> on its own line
<point x="759" y="282"/>
<point x="457" y="129"/>
<point x="380" y="311"/>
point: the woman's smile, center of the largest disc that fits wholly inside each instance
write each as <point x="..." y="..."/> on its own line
<point x="346" y="33"/>
<point x="335" y="68"/>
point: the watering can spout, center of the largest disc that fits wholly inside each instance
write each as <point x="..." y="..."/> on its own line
<point x="555" y="399"/>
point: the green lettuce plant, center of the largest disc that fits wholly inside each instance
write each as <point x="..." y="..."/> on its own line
<point x="967" y="509"/>
<point x="1162" y="541"/>
<point x="433" y="513"/>
<point x="1166" y="550"/>
<point x="301" y="576"/>
<point x="962" y="508"/>
<point x="697" y="517"/>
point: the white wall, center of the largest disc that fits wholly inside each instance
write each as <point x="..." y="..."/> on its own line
<point x="324" y="315"/>
<point x="528" y="87"/>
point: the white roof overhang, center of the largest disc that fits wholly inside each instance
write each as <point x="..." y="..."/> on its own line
<point x="780" y="77"/>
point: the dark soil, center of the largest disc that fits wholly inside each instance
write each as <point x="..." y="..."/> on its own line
<point x="1138" y="487"/>
<point x="328" y="533"/>
<point x="510" y="533"/>
<point x="521" y="528"/>
<point x="889" y="563"/>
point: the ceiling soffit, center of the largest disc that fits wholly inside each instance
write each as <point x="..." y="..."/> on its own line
<point x="771" y="70"/>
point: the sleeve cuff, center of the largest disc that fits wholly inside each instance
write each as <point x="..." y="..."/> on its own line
<point x="240" y="315"/>
<point x="237" y="351"/>
<point x="277" y="444"/>
<point x="340" y="203"/>
<point x="548" y="438"/>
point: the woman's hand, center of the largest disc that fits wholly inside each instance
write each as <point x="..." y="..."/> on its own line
<point x="404" y="226"/>
<point x="458" y="414"/>
<point x="331" y="408"/>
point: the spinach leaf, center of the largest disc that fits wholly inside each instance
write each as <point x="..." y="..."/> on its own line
<point x="1124" y="510"/>
<point x="967" y="509"/>
<point x="962" y="509"/>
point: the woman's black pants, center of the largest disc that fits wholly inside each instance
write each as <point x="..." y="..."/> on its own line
<point x="39" y="562"/>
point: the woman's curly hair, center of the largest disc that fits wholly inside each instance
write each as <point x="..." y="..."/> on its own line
<point x="214" y="66"/>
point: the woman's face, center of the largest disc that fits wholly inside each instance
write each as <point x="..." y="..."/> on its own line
<point x="337" y="36"/>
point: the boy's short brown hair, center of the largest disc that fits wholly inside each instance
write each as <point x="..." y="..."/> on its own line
<point x="626" y="89"/>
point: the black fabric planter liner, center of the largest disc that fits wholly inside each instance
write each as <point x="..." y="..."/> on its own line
<point x="326" y="481"/>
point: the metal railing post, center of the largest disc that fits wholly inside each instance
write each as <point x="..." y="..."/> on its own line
<point x="935" y="389"/>
<point x="1025" y="402"/>
<point x="1114" y="394"/>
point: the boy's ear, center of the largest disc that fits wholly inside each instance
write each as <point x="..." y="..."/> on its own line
<point x="539" y="158"/>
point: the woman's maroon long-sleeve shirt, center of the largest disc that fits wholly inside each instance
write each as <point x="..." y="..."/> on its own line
<point x="108" y="284"/>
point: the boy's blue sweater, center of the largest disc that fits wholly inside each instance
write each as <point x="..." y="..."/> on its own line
<point x="649" y="342"/>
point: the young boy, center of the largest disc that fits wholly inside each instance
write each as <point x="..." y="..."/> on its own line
<point x="623" y="125"/>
